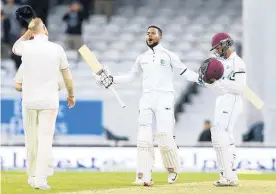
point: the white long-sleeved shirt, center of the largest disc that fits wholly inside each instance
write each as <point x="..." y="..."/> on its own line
<point x="42" y="62"/>
<point x="156" y="66"/>
<point x="234" y="77"/>
<point x="18" y="78"/>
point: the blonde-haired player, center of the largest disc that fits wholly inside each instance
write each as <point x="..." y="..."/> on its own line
<point x="42" y="62"/>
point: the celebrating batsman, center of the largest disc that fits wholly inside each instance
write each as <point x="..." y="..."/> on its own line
<point x="228" y="69"/>
<point x="42" y="63"/>
<point x="156" y="105"/>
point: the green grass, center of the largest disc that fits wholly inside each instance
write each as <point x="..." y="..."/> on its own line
<point x="16" y="182"/>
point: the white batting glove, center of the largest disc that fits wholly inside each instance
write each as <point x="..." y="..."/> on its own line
<point x="97" y="79"/>
<point x="107" y="70"/>
<point x="104" y="79"/>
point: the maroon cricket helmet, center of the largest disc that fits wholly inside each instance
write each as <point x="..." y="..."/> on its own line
<point x="211" y="70"/>
<point x="224" y="40"/>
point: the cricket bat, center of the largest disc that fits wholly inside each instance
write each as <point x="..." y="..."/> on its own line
<point x="253" y="98"/>
<point x="96" y="67"/>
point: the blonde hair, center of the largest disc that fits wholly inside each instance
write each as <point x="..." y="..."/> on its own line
<point x="35" y="25"/>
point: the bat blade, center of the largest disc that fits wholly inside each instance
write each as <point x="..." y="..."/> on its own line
<point x="90" y="59"/>
<point x="253" y="98"/>
<point x="96" y="67"/>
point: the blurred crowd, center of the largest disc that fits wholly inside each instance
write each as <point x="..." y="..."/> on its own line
<point x="79" y="10"/>
<point x="253" y="134"/>
<point x="10" y="29"/>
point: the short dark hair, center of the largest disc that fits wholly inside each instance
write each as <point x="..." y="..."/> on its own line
<point x="156" y="27"/>
<point x="207" y="122"/>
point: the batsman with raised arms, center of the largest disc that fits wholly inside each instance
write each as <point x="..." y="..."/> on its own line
<point x="156" y="65"/>
<point x="226" y="72"/>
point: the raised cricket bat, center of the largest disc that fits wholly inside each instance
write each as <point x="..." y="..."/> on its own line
<point x="253" y="98"/>
<point x="96" y="67"/>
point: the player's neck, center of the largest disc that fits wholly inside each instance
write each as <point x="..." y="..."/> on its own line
<point x="40" y="34"/>
<point x="228" y="53"/>
<point x="153" y="45"/>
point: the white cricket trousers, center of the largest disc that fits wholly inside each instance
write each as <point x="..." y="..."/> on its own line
<point x="39" y="128"/>
<point x="156" y="108"/>
<point x="228" y="109"/>
<point x="156" y="112"/>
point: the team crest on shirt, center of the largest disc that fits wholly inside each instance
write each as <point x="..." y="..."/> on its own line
<point x="162" y="62"/>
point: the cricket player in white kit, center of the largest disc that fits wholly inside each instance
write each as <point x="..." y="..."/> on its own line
<point x="42" y="63"/>
<point x="157" y="104"/>
<point x="19" y="79"/>
<point x="229" y="106"/>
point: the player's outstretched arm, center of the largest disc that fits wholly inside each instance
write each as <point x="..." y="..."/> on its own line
<point x="130" y="76"/>
<point x="187" y="73"/>
<point x="190" y="75"/>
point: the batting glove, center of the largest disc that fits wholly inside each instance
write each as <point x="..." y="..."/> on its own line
<point x="97" y="79"/>
<point x="103" y="78"/>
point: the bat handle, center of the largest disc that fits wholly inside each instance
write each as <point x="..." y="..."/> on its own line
<point x="118" y="97"/>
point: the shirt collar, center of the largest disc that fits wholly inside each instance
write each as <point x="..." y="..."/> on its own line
<point x="157" y="47"/>
<point x="40" y="37"/>
<point x="232" y="56"/>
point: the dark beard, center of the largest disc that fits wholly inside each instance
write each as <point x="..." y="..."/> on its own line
<point x="153" y="45"/>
